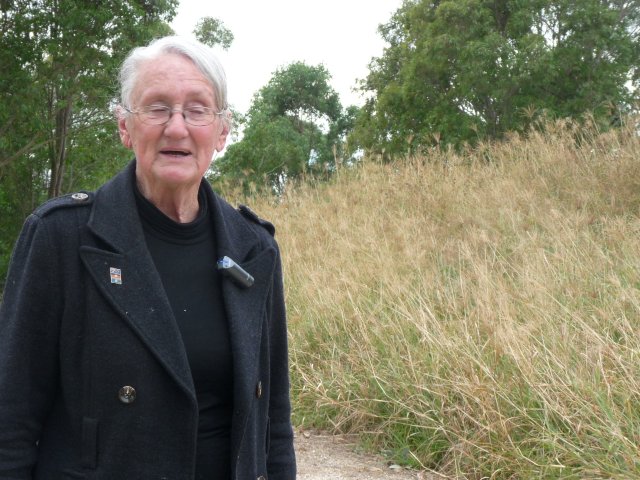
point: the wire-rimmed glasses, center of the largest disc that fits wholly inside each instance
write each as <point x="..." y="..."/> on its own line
<point x="161" y="114"/>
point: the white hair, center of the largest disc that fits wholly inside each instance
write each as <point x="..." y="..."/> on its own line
<point x="201" y="55"/>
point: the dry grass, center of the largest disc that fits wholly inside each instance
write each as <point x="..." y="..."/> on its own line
<point x="475" y="314"/>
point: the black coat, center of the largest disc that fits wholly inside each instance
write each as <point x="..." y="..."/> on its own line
<point x="71" y="337"/>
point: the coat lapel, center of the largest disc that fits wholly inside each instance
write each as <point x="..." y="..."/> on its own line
<point x="139" y="298"/>
<point x="245" y="306"/>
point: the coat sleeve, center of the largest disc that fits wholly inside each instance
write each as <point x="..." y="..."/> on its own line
<point x="281" y="463"/>
<point x="29" y="322"/>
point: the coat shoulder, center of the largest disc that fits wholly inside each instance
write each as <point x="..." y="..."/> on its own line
<point x="71" y="200"/>
<point x="253" y="217"/>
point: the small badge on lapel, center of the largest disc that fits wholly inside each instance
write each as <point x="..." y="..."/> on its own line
<point x="116" y="275"/>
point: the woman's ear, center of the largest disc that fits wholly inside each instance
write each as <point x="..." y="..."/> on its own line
<point x="123" y="129"/>
<point x="224" y="133"/>
<point x="222" y="138"/>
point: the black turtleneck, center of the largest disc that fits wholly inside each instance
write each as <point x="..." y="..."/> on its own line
<point x="185" y="257"/>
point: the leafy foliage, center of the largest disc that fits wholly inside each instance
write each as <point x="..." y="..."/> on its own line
<point x="211" y="31"/>
<point x="455" y="71"/>
<point x="291" y="128"/>
<point x="60" y="61"/>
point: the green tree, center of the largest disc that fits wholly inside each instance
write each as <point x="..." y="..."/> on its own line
<point x="60" y="61"/>
<point x="458" y="70"/>
<point x="66" y="53"/>
<point x="292" y="127"/>
<point x="212" y="31"/>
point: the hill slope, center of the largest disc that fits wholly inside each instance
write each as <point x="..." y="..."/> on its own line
<point x="475" y="314"/>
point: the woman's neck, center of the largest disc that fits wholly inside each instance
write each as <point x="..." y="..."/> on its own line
<point x="179" y="204"/>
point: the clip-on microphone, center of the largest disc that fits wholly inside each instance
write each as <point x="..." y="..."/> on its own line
<point x="234" y="271"/>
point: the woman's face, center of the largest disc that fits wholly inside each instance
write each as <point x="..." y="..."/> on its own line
<point x="174" y="155"/>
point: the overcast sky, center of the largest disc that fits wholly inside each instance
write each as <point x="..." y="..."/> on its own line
<point x="340" y="34"/>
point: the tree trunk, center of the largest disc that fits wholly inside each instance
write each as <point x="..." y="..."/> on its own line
<point x="59" y="153"/>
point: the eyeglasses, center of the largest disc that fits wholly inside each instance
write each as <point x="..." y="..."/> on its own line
<point x="161" y="114"/>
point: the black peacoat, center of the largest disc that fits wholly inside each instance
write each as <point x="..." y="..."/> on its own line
<point x="94" y="379"/>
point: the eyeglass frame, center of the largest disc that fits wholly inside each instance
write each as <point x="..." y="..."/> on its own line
<point x="142" y="111"/>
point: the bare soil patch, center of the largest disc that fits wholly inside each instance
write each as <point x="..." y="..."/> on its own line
<point x="336" y="457"/>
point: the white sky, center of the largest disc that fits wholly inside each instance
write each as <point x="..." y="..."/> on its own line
<point x="340" y="34"/>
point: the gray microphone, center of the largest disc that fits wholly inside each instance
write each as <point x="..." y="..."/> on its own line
<point x="234" y="271"/>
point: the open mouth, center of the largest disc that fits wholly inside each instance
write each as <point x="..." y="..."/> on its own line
<point x="175" y="153"/>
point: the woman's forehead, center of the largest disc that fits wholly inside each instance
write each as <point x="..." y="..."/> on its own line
<point x="172" y="74"/>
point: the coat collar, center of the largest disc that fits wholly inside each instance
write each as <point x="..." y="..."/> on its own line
<point x="115" y="219"/>
<point x="140" y="298"/>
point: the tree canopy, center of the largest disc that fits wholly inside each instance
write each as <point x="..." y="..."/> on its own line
<point x="58" y="85"/>
<point x="454" y="71"/>
<point x="292" y="126"/>
<point x="211" y="31"/>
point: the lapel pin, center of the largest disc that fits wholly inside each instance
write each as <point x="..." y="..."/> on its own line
<point x="234" y="271"/>
<point x="116" y="275"/>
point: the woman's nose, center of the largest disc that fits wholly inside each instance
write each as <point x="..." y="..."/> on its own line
<point x="176" y="125"/>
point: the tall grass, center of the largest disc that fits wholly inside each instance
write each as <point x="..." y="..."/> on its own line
<point x="476" y="314"/>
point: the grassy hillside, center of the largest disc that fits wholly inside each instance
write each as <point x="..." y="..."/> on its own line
<point x="475" y="314"/>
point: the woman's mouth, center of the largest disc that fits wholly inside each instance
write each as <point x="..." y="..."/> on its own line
<point x="175" y="153"/>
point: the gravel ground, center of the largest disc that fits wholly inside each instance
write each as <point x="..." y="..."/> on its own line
<point x="335" y="457"/>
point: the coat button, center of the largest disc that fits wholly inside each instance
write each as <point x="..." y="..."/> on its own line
<point x="127" y="394"/>
<point x="261" y="477"/>
<point x="259" y="390"/>
<point x="80" y="197"/>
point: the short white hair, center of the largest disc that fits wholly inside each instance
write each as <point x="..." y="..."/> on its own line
<point x="201" y="55"/>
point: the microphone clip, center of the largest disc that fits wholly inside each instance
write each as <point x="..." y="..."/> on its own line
<point x="235" y="272"/>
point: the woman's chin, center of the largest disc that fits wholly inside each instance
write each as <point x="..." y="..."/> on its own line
<point x="178" y="175"/>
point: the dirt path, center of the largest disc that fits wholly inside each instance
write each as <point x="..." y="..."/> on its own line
<point x="335" y="457"/>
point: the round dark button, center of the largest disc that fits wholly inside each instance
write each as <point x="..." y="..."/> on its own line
<point x="127" y="394"/>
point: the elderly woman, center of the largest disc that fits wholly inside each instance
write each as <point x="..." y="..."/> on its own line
<point x="142" y="332"/>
